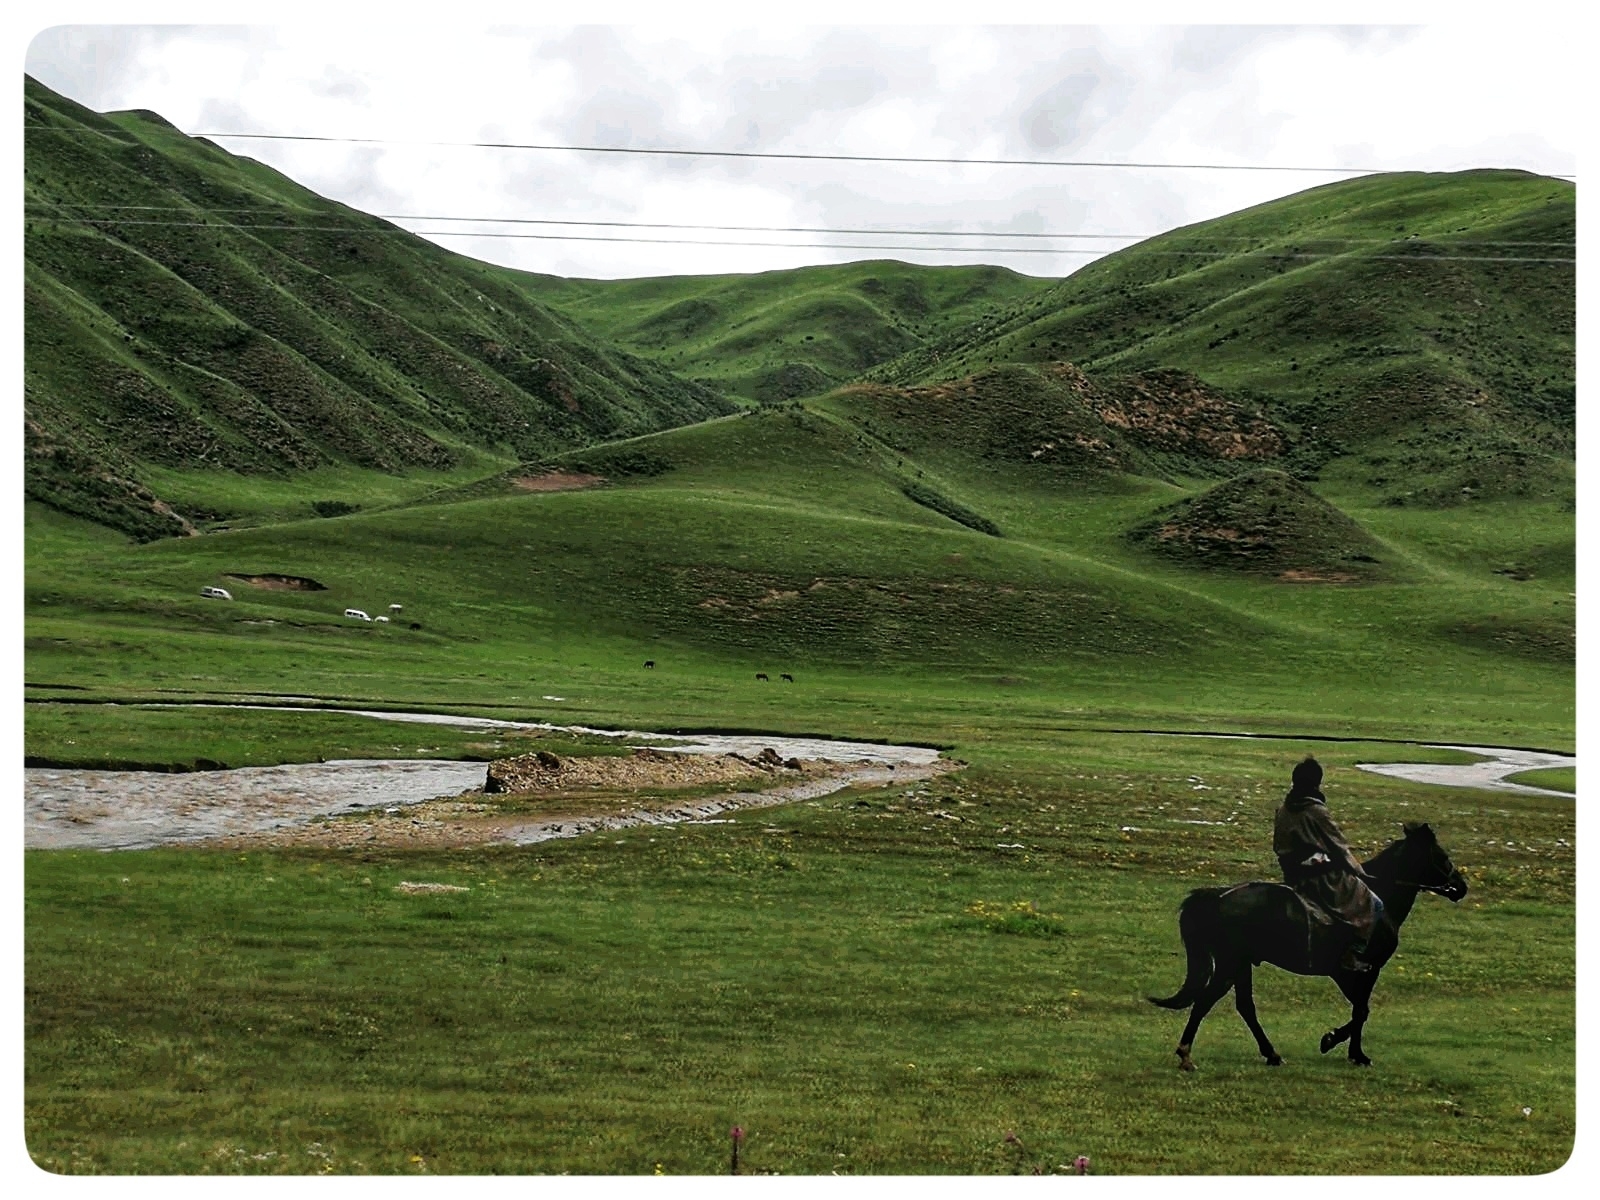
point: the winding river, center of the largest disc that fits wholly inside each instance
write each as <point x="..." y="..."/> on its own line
<point x="106" y="810"/>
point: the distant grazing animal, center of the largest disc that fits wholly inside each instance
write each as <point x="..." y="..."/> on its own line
<point x="761" y="675"/>
<point x="649" y="664"/>
<point x="1225" y="930"/>
<point x="787" y="677"/>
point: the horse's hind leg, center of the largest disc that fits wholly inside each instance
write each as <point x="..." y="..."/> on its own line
<point x="1245" y="1001"/>
<point x="1216" y="989"/>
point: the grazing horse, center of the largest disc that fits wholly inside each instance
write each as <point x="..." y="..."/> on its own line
<point x="1228" y="931"/>
<point x="762" y="675"/>
<point x="786" y="677"/>
<point x="649" y="664"/>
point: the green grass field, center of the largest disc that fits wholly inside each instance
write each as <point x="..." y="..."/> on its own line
<point x="862" y="983"/>
<point x="1558" y="779"/>
<point x="852" y="977"/>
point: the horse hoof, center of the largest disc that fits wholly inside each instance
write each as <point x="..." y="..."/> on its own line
<point x="1186" y="1065"/>
<point x="1329" y="1041"/>
<point x="1275" y="1060"/>
<point x="1361" y="1061"/>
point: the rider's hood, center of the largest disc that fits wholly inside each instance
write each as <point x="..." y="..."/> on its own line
<point x="1300" y="800"/>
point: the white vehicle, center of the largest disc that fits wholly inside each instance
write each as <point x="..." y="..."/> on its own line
<point x="216" y="593"/>
<point x="356" y="614"/>
<point x="385" y="620"/>
<point x="394" y="608"/>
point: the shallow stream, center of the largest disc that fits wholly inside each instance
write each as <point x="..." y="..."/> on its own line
<point x="128" y="810"/>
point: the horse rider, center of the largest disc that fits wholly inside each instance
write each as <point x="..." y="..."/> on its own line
<point x="1318" y="865"/>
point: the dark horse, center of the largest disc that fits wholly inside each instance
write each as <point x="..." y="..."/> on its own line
<point x="1228" y="931"/>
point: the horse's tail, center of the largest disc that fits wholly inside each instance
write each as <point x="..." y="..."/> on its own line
<point x="1197" y="923"/>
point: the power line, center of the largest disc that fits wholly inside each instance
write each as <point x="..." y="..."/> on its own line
<point x="879" y="232"/>
<point x="864" y="232"/>
<point x="780" y="155"/>
<point x="559" y="237"/>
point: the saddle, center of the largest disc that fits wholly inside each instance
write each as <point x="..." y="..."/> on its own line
<point x="1328" y="934"/>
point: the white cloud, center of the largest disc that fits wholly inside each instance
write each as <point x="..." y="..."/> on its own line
<point x="1423" y="97"/>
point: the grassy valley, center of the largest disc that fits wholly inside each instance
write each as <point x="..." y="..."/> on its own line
<point x="779" y="335"/>
<point x="1305" y="471"/>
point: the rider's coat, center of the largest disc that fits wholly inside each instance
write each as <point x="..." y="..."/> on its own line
<point x="1317" y="861"/>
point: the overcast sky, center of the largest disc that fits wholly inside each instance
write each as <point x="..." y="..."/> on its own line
<point x="1420" y="97"/>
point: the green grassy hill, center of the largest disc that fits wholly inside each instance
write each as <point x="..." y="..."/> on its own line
<point x="1235" y="475"/>
<point x="785" y="540"/>
<point x="189" y="309"/>
<point x="778" y="335"/>
<point x="1420" y="324"/>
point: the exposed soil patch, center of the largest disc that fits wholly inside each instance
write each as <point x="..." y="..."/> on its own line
<point x="1056" y="415"/>
<point x="1296" y="575"/>
<point x="1172" y="410"/>
<point x="556" y="481"/>
<point x="644" y="768"/>
<point x="646" y="789"/>
<point x="273" y="582"/>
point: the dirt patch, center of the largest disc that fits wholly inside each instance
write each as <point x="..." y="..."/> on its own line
<point x="1172" y="410"/>
<point x="556" y="481"/>
<point x="273" y="582"/>
<point x="1301" y="576"/>
<point x="644" y="768"/>
<point x="534" y="816"/>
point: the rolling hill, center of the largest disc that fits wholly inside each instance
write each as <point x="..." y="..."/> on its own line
<point x="1243" y="472"/>
<point x="187" y="308"/>
<point x="780" y="335"/>
<point x="1419" y="325"/>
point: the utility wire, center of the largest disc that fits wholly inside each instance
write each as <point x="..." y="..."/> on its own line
<point x="864" y="232"/>
<point x="782" y="155"/>
<point x="560" y="237"/>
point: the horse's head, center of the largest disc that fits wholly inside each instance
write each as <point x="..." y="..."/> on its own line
<point x="1423" y="862"/>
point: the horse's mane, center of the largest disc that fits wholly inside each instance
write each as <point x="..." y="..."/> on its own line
<point x="1382" y="864"/>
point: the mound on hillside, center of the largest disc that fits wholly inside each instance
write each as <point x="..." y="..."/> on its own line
<point x="1265" y="523"/>
<point x="1054" y="415"/>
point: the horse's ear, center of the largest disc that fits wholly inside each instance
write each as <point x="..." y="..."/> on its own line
<point x="1418" y="829"/>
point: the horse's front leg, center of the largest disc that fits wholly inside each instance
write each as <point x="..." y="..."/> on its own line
<point x="1357" y="986"/>
<point x="1244" y="1000"/>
